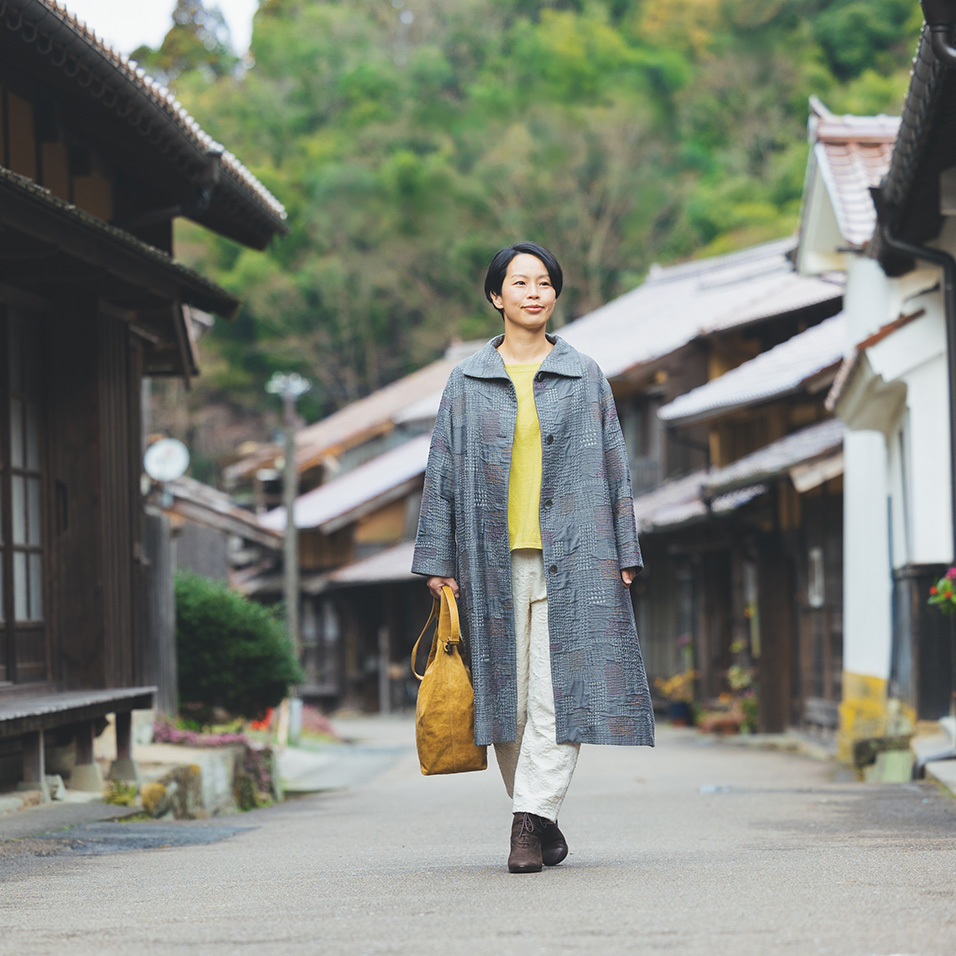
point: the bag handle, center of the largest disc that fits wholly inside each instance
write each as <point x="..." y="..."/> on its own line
<point x="446" y="610"/>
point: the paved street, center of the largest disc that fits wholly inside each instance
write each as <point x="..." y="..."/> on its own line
<point x="695" y="847"/>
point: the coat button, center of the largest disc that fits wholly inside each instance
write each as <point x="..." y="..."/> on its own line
<point x="549" y="439"/>
<point x="553" y="569"/>
<point x="539" y="377"/>
<point x="548" y="503"/>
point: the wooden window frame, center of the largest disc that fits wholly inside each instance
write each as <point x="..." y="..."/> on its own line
<point x="11" y="628"/>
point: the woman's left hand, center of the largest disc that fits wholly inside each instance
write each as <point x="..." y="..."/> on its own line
<point x="628" y="575"/>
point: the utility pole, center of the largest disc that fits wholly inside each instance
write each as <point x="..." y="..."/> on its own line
<point x="290" y="386"/>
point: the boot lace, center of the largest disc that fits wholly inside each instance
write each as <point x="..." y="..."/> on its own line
<point x="530" y="828"/>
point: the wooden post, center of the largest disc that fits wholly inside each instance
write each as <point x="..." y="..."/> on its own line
<point x="34" y="764"/>
<point x="85" y="735"/>
<point x="86" y="773"/>
<point x="384" y="677"/>
<point x="124" y="767"/>
<point x="290" y="489"/>
<point x="124" y="735"/>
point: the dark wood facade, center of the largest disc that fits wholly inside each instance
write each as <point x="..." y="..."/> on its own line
<point x="758" y="587"/>
<point x="95" y="162"/>
<point x="73" y="527"/>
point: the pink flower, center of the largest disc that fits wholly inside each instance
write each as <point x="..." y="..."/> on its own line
<point x="951" y="574"/>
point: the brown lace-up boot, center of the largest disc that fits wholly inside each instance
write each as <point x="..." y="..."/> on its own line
<point x="525" y="843"/>
<point x="554" y="847"/>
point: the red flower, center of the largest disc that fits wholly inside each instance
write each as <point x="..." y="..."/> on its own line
<point x="933" y="591"/>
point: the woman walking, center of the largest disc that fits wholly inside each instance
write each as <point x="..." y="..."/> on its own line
<point x="527" y="515"/>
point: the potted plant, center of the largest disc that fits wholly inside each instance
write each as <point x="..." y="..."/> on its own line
<point x="943" y="593"/>
<point x="678" y="690"/>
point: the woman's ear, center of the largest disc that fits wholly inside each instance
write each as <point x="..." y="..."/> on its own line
<point x="497" y="301"/>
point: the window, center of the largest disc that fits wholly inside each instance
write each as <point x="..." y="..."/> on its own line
<point x="815" y="579"/>
<point x="22" y="632"/>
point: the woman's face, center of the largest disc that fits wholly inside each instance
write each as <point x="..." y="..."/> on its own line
<point x="527" y="295"/>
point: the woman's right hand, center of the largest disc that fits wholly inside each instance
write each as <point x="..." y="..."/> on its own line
<point x="436" y="584"/>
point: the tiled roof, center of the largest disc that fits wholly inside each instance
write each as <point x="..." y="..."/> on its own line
<point x="369" y="416"/>
<point x="359" y="491"/>
<point x="852" y="358"/>
<point x="696" y="510"/>
<point x="773" y="460"/>
<point x="86" y="233"/>
<point x="208" y="506"/>
<point x="125" y="89"/>
<point x="929" y="81"/>
<point x="910" y="192"/>
<point x="391" y="565"/>
<point x="721" y="490"/>
<point x="852" y="154"/>
<point x="386" y="567"/>
<point x="678" y="304"/>
<point x="681" y="502"/>
<point x="681" y="303"/>
<point x="672" y="494"/>
<point x="780" y="371"/>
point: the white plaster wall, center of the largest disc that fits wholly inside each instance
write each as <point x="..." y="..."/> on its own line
<point x="866" y="569"/>
<point x="868" y="299"/>
<point x="930" y="509"/>
<point x="899" y="478"/>
<point x="904" y="354"/>
<point x="916" y="356"/>
<point x="820" y="235"/>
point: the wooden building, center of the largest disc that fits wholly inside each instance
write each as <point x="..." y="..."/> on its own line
<point x="96" y="160"/>
<point x="359" y="600"/>
<point x="684" y="326"/>
<point x="361" y="471"/>
<point x="213" y="536"/>
<point x="347" y="438"/>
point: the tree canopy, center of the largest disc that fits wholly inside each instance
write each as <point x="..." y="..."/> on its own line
<point x="409" y="139"/>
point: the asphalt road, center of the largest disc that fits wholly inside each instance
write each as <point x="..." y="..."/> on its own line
<point x="692" y="848"/>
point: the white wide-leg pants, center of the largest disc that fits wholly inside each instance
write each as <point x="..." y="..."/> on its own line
<point x="535" y="769"/>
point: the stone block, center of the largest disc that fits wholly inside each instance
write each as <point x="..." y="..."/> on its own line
<point x="155" y="799"/>
<point x="125" y="770"/>
<point x="42" y="789"/>
<point x="87" y="776"/>
<point x="56" y="786"/>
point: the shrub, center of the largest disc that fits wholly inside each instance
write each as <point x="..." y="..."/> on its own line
<point x="233" y="653"/>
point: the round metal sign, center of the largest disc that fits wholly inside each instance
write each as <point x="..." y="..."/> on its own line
<point x="166" y="460"/>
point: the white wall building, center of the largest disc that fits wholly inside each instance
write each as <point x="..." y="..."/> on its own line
<point x="892" y="394"/>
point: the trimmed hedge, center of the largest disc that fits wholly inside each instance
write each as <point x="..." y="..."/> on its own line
<point x="232" y="652"/>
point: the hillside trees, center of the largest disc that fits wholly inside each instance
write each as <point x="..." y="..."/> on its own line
<point x="409" y="139"/>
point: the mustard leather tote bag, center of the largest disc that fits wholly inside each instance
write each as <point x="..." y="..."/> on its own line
<point x="445" y="712"/>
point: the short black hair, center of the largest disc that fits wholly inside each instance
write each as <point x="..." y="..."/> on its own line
<point x="498" y="267"/>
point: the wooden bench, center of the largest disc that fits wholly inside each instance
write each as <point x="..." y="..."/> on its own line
<point x="30" y="716"/>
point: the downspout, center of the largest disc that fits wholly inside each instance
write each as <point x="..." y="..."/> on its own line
<point x="940" y="17"/>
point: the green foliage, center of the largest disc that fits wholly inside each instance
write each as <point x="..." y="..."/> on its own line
<point x="198" y="40"/>
<point x="232" y="652"/>
<point x="121" y="794"/>
<point x="853" y="33"/>
<point x="409" y="141"/>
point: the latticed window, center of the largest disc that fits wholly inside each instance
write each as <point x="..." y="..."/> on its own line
<point x="23" y="655"/>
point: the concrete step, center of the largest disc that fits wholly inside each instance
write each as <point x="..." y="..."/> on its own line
<point x="944" y="741"/>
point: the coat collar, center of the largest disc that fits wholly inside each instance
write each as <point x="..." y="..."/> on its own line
<point x="563" y="359"/>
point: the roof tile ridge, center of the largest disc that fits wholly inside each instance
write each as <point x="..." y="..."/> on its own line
<point x="164" y="98"/>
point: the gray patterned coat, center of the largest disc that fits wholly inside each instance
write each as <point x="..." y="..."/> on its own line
<point x="588" y="535"/>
